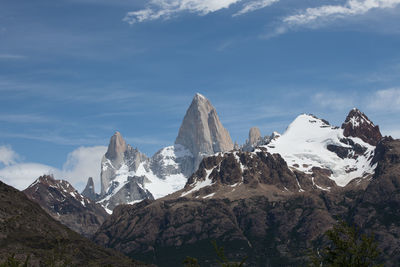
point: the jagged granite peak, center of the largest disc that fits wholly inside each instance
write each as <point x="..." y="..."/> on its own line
<point x="201" y="130"/>
<point x="357" y="124"/>
<point x="89" y="191"/>
<point x="255" y="139"/>
<point x="63" y="202"/>
<point x="116" y="147"/>
<point x="119" y="154"/>
<point x="254" y="135"/>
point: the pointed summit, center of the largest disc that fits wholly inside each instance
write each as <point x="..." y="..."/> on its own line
<point x="116" y="147"/>
<point x="89" y="190"/>
<point x="112" y="160"/>
<point x="201" y="131"/>
<point x="254" y="135"/>
<point x="358" y="125"/>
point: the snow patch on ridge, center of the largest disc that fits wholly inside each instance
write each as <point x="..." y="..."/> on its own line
<point x="200" y="184"/>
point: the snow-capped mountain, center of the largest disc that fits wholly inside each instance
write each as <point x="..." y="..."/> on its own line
<point x="310" y="142"/>
<point x="128" y="176"/>
<point x="310" y="155"/>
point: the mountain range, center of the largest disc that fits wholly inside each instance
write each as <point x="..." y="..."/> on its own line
<point x="270" y="199"/>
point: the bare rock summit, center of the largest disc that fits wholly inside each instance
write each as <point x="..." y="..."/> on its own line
<point x="202" y="132"/>
<point x="358" y="125"/>
<point x="89" y="191"/>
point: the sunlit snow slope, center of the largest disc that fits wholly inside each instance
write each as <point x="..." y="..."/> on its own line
<point x="305" y="145"/>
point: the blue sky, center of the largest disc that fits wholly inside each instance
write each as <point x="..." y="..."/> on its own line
<point x="73" y="72"/>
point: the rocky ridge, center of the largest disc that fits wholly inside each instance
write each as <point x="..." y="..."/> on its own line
<point x="60" y="199"/>
<point x="358" y="125"/>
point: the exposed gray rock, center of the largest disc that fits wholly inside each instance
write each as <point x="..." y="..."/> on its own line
<point x="132" y="191"/>
<point x="172" y="160"/>
<point x="89" y="191"/>
<point x="255" y="139"/>
<point x="117" y="155"/>
<point x="254" y="135"/>
<point x="202" y="132"/>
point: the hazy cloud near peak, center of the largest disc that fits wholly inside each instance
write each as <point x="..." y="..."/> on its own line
<point x="8" y="156"/>
<point x="81" y="163"/>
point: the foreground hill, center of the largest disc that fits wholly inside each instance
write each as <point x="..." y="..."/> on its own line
<point x="26" y="229"/>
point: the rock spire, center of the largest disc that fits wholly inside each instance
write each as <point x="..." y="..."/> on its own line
<point x="202" y="132"/>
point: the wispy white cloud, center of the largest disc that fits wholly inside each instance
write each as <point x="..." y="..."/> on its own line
<point x="165" y="9"/>
<point x="351" y="8"/>
<point x="318" y="16"/>
<point x="254" y="5"/>
<point x="388" y="99"/>
<point x="81" y="163"/>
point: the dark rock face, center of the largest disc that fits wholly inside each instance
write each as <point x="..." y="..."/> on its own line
<point x="378" y="208"/>
<point x="270" y="233"/>
<point x="26" y="229"/>
<point x="59" y="199"/>
<point x="357" y="124"/>
<point x="273" y="228"/>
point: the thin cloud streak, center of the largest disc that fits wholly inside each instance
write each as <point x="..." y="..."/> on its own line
<point x="11" y="57"/>
<point x="319" y="16"/>
<point x="166" y="9"/>
<point x="254" y="5"/>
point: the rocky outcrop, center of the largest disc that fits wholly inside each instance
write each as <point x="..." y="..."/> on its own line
<point x="119" y="182"/>
<point x="89" y="191"/>
<point x="26" y="229"/>
<point x="377" y="209"/>
<point x="201" y="131"/>
<point x="358" y="125"/>
<point x="255" y="139"/>
<point x="254" y="135"/>
<point x="118" y="154"/>
<point x="133" y="190"/>
<point x="60" y="199"/>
